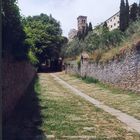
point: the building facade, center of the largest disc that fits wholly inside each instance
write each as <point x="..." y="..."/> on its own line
<point x="82" y="22"/>
<point x="72" y="33"/>
<point x="113" y="22"/>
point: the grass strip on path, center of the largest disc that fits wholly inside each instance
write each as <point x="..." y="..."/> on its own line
<point x="124" y="101"/>
<point x="65" y="114"/>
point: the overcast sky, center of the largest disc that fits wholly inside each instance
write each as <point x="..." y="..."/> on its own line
<point x="67" y="11"/>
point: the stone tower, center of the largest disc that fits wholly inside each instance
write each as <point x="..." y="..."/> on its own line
<point x="82" y="21"/>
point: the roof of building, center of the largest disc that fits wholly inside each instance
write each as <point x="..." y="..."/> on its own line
<point x="113" y="16"/>
<point x="82" y="17"/>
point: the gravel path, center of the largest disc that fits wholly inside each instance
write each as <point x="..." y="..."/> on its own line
<point x="131" y="122"/>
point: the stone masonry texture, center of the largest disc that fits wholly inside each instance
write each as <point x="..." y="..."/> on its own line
<point x="16" y="77"/>
<point x="123" y="73"/>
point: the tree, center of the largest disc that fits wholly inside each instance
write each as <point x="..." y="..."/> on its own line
<point x="134" y="12"/>
<point x="127" y="14"/>
<point x="139" y="10"/>
<point x="86" y="30"/>
<point x="105" y="27"/>
<point x="44" y="36"/>
<point x="13" y="35"/>
<point x="82" y="34"/>
<point x="90" y="27"/>
<point x="122" y="16"/>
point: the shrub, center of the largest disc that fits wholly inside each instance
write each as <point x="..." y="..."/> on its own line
<point x="32" y="58"/>
<point x="90" y="80"/>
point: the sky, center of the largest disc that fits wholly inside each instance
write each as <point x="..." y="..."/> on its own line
<point x="67" y="11"/>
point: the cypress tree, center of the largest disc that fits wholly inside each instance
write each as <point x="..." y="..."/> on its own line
<point x="134" y="12"/>
<point x="122" y="16"/>
<point x="90" y="27"/>
<point x="127" y="13"/>
<point x="86" y="30"/>
<point x="139" y="10"/>
<point x="105" y="27"/>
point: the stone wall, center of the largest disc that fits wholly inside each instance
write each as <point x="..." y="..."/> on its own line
<point x="123" y="73"/>
<point x="16" y="77"/>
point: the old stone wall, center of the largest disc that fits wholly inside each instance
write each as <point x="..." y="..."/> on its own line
<point x="16" y="77"/>
<point x="123" y="73"/>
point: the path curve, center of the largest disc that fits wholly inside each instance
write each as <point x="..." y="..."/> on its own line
<point x="130" y="121"/>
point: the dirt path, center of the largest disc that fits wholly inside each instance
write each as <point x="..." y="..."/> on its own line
<point x="130" y="121"/>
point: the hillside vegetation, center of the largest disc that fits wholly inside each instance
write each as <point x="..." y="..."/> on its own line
<point x="103" y="45"/>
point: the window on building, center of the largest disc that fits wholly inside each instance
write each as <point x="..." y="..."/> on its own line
<point x="114" y="24"/>
<point x="111" y="26"/>
<point x="114" y="17"/>
<point x="83" y="21"/>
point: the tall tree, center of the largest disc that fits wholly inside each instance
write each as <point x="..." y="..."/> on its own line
<point x="122" y="16"/>
<point x="134" y="12"/>
<point x="139" y="10"/>
<point x="13" y="35"/>
<point x="90" y="27"/>
<point x="44" y="36"/>
<point x="105" y="27"/>
<point x="86" y="30"/>
<point x="127" y="14"/>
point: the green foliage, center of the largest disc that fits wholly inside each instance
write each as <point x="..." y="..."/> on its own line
<point x="90" y="27"/>
<point x="139" y="11"/>
<point x="32" y="58"/>
<point x="88" y="79"/>
<point x="79" y="64"/>
<point x="13" y="35"/>
<point x="103" y="40"/>
<point x="123" y="16"/>
<point x="134" y="27"/>
<point x="134" y="12"/>
<point x="101" y="44"/>
<point x="82" y="34"/>
<point x="44" y="37"/>
<point x="127" y="14"/>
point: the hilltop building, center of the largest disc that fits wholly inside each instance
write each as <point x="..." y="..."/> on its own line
<point x="72" y="33"/>
<point x="82" y="22"/>
<point x="81" y="25"/>
<point x="113" y="22"/>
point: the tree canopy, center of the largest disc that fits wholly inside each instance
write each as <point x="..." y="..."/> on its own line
<point x="13" y="35"/>
<point x="122" y="16"/>
<point x="134" y="12"/>
<point x="44" y="37"/>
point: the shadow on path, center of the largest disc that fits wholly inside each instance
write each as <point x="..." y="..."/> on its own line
<point x="26" y="119"/>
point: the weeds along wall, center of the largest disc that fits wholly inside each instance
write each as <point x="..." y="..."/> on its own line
<point x="16" y="77"/>
<point x="123" y="72"/>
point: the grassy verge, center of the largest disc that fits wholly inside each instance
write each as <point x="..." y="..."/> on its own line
<point x="126" y="101"/>
<point x="65" y="114"/>
<point x="115" y="90"/>
<point x="88" y="79"/>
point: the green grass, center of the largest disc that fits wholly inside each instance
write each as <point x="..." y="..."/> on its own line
<point x="37" y="86"/>
<point x="126" y="101"/>
<point x="88" y="80"/>
<point x="115" y="90"/>
<point x="65" y="114"/>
